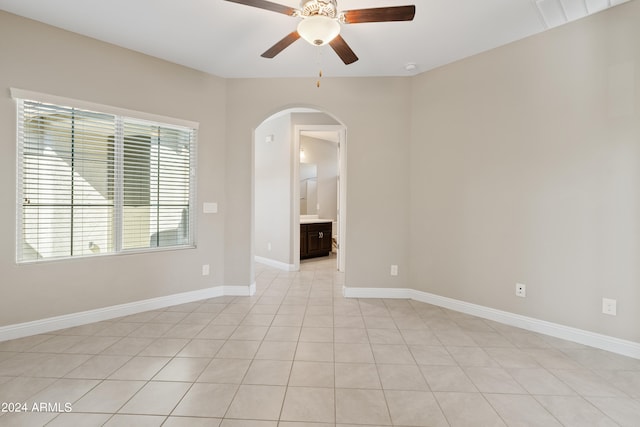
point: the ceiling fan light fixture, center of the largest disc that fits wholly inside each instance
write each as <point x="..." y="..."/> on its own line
<point x="318" y="30"/>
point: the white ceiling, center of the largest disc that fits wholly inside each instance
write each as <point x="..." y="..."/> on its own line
<point x="226" y="39"/>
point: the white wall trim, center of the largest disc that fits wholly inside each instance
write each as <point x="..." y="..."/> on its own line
<point x="376" y="292"/>
<point x="17" y="93"/>
<point x="592" y="339"/>
<point x="42" y="326"/>
<point x="239" y="291"/>
<point x="275" y="264"/>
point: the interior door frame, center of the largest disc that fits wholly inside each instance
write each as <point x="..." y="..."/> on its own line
<point x="342" y="190"/>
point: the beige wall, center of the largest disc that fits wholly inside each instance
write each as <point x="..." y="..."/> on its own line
<point x="40" y="58"/>
<point x="272" y="196"/>
<point x="525" y="167"/>
<point x="376" y="114"/>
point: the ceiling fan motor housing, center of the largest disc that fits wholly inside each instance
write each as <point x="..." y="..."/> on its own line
<point x="327" y="8"/>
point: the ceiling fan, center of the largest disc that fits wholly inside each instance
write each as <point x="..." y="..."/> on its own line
<point x="321" y="21"/>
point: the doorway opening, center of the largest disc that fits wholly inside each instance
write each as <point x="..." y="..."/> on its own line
<point x="299" y="179"/>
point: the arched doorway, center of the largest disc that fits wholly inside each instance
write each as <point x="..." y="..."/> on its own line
<point x="287" y="145"/>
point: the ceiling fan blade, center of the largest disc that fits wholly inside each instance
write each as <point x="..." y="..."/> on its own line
<point x="380" y="14"/>
<point x="343" y="50"/>
<point x="264" y="4"/>
<point x="281" y="45"/>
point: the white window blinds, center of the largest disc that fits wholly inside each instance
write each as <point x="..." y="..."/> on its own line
<point x="95" y="183"/>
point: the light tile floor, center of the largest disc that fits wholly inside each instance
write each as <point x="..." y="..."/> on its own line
<point x="299" y="354"/>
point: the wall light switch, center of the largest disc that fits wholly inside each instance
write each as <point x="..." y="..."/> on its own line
<point x="210" y="207"/>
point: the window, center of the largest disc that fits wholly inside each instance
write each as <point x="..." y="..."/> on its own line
<point x="94" y="183"/>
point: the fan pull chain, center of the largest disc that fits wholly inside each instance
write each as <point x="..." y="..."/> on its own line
<point x="319" y="61"/>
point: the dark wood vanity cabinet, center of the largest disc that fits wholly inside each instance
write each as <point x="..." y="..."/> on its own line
<point x="315" y="239"/>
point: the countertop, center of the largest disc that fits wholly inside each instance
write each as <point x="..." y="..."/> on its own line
<point x="314" y="220"/>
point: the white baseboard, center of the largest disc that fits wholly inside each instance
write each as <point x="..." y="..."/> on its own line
<point x="376" y="293"/>
<point x="592" y="339"/>
<point x="275" y="264"/>
<point x="82" y="318"/>
<point x="240" y="291"/>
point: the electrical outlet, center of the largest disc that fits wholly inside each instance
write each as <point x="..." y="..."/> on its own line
<point x="521" y="290"/>
<point x="394" y="270"/>
<point x="205" y="269"/>
<point x="269" y="246"/>
<point x="609" y="306"/>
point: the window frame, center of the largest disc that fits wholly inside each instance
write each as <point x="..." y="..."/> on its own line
<point x="120" y="115"/>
